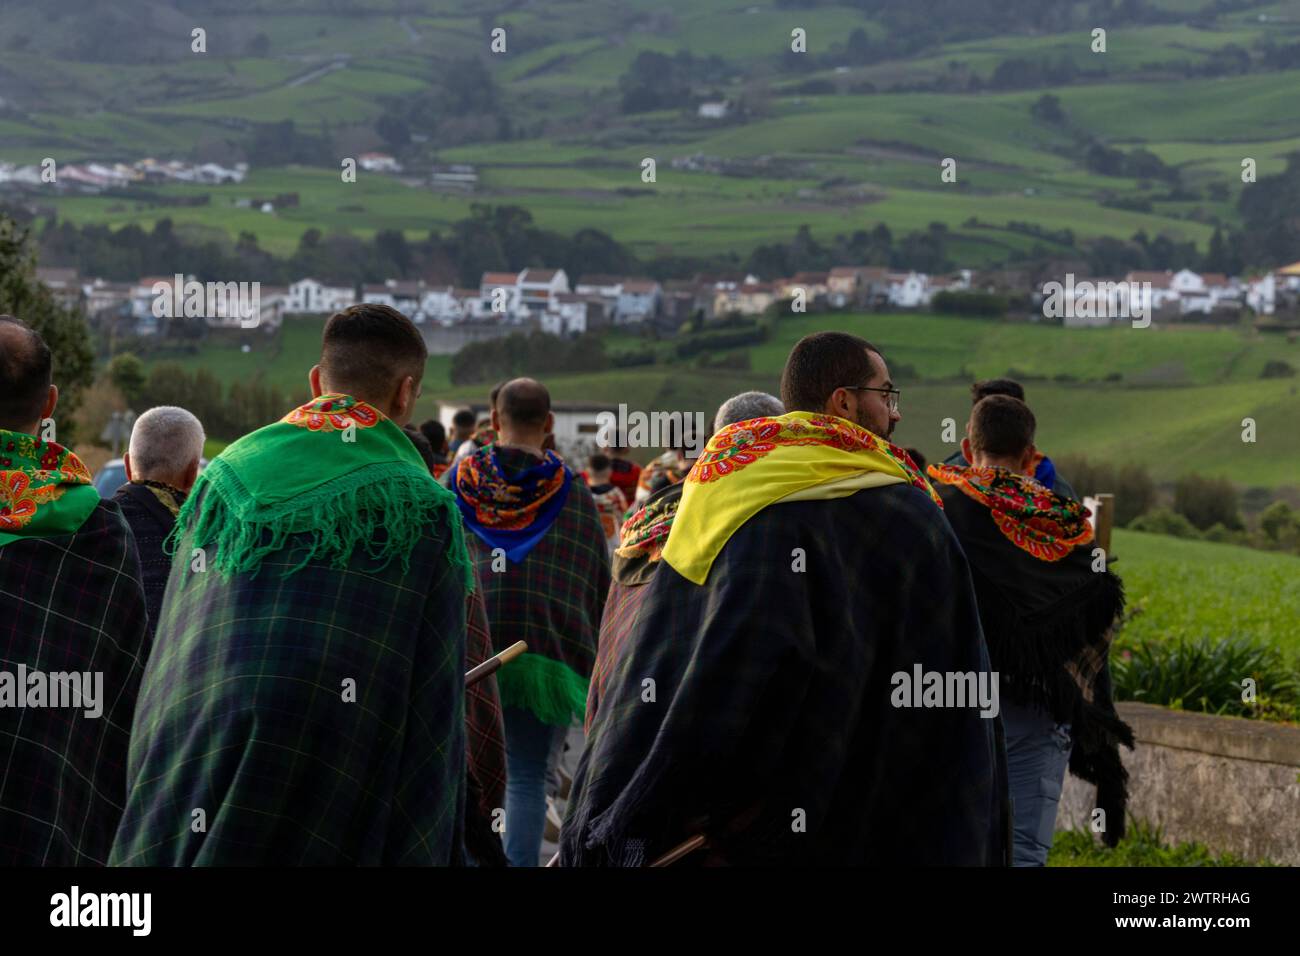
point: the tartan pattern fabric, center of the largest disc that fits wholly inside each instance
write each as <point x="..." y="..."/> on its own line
<point x="242" y="714"/>
<point x="485" y="738"/>
<point x="621" y="609"/>
<point x="73" y="603"/>
<point x="772" y="690"/>
<point x="554" y="598"/>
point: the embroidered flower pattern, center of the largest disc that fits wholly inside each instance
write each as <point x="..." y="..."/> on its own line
<point x="735" y="447"/>
<point x="1033" y="519"/>
<point x="334" y="413"/>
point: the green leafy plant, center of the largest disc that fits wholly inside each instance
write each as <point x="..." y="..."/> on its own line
<point x="1143" y="845"/>
<point x="1207" y="675"/>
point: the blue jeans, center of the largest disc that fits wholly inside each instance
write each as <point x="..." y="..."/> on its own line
<point x="532" y="753"/>
<point x="1038" y="753"/>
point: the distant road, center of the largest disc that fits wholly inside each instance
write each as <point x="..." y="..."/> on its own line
<point x="338" y="64"/>
<point x="410" y="30"/>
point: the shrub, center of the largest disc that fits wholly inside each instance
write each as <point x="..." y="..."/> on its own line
<point x="984" y="304"/>
<point x="1207" y="501"/>
<point x="1164" y="521"/>
<point x="1143" y="845"/>
<point x="1207" y="675"/>
<point x="1132" y="485"/>
<point x="1276" y="368"/>
<point x="1280" y="524"/>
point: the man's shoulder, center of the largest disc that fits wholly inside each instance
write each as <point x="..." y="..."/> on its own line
<point x="897" y="517"/>
<point x="104" y="539"/>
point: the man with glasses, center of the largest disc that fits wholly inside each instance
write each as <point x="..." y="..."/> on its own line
<point x="750" y="706"/>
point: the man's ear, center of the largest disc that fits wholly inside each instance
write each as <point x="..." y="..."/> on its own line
<point x="404" y="400"/>
<point x="314" y="378"/>
<point x="51" y="400"/>
<point x="550" y="423"/>
<point x="966" y="451"/>
<point x="1027" y="461"/>
<point x="190" y="476"/>
<point x="838" y="403"/>
<point x="126" y="462"/>
<point x="496" y="421"/>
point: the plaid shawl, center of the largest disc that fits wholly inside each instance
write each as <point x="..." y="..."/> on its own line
<point x="74" y="603"/>
<point x="306" y="692"/>
<point x="1047" y="616"/>
<point x="771" y="695"/>
<point x="635" y="563"/>
<point x="485" y="742"/>
<point x="552" y="600"/>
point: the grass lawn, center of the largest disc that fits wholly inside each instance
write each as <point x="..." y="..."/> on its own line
<point x="1199" y="589"/>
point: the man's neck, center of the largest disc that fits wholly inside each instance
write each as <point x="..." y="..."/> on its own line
<point x="529" y="443"/>
<point x="988" y="461"/>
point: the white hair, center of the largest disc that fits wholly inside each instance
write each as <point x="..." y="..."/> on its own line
<point x="747" y="405"/>
<point x="164" y="442"/>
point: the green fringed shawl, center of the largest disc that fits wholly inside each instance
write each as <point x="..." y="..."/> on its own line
<point x="549" y="688"/>
<point x="336" y="473"/>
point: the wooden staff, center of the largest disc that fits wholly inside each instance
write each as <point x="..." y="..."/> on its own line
<point x="493" y="664"/>
<point x="669" y="858"/>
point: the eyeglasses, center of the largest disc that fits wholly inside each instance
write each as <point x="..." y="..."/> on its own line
<point x="893" y="393"/>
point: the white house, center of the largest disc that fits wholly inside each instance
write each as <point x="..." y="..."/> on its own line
<point x="715" y="110"/>
<point x="573" y="314"/>
<point x="440" y="305"/>
<point x="538" y="286"/>
<point x="909" y="290"/>
<point x="310" y="296"/>
<point x="378" y="163"/>
<point x="1261" y="294"/>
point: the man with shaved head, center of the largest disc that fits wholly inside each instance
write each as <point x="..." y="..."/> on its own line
<point x="542" y="558"/>
<point x="73" y="639"/>
<point x="305" y="700"/>
<point x="161" y="465"/>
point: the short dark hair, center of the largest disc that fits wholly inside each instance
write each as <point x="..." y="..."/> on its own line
<point x="368" y="348"/>
<point x="524" y="401"/>
<point x="463" y="419"/>
<point x="996" y="386"/>
<point x="1001" y="425"/>
<point x="421" y="445"/>
<point x="26" y="371"/>
<point x="819" y="364"/>
<point x="600" y="462"/>
<point x="435" y="433"/>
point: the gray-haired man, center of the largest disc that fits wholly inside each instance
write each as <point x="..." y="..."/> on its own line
<point x="161" y="465"/>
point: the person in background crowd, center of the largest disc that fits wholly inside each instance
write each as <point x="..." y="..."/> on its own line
<point x="307" y="688"/>
<point x="161" y="465"/>
<point x="610" y="501"/>
<point x="544" y="565"/>
<point x="808" y="565"/>
<point x="1041" y="468"/>
<point x="624" y="474"/>
<point x="74" y="605"/>
<point x="1048" y="617"/>
<point x="436" y="435"/>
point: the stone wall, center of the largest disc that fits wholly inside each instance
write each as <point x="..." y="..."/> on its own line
<point x="1229" y="783"/>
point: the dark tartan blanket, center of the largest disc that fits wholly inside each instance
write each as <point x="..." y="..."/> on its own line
<point x="74" y="603"/>
<point x="243" y="716"/>
<point x="768" y="724"/>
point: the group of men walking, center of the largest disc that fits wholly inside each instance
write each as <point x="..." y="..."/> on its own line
<point x="283" y="639"/>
